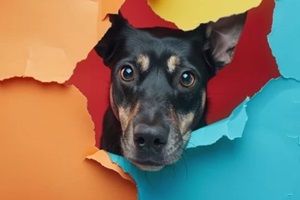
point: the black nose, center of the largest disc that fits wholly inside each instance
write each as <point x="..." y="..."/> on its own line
<point x="150" y="138"/>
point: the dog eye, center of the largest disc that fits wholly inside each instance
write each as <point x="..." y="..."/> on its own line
<point x="127" y="73"/>
<point x="187" y="79"/>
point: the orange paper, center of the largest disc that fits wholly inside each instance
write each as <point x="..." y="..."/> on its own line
<point x="46" y="133"/>
<point x="45" y="39"/>
<point x="103" y="158"/>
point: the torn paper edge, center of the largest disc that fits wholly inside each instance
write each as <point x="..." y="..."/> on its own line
<point x="61" y="79"/>
<point x="205" y="21"/>
<point x="104" y="159"/>
<point x="231" y="127"/>
<point x="271" y="44"/>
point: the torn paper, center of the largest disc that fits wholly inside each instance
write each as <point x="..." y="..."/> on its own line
<point x="231" y="127"/>
<point x="45" y="134"/>
<point x="188" y="15"/>
<point x="45" y="39"/>
<point x="102" y="157"/>
<point x="285" y="36"/>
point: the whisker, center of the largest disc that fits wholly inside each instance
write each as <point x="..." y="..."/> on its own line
<point x="184" y="162"/>
<point x="189" y="142"/>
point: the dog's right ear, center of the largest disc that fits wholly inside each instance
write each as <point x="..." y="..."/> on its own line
<point x="222" y="38"/>
<point x="111" y="41"/>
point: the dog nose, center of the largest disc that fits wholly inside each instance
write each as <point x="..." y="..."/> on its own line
<point x="150" y="138"/>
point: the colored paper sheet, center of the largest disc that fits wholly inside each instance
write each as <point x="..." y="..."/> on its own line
<point x="231" y="127"/>
<point x="45" y="39"/>
<point x="45" y="134"/>
<point x="102" y="157"/>
<point x="285" y="36"/>
<point x="189" y="14"/>
<point x="263" y="164"/>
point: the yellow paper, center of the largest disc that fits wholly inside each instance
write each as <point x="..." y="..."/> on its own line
<point x="189" y="14"/>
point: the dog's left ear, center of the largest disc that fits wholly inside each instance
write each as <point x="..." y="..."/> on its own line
<point x="112" y="39"/>
<point x="222" y="38"/>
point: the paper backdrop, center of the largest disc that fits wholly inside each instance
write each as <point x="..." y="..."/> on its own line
<point x="48" y="130"/>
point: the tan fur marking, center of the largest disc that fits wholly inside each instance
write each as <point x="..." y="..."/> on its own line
<point x="183" y="125"/>
<point x="143" y="61"/>
<point x="126" y="115"/>
<point x="173" y="62"/>
<point x="111" y="101"/>
<point x="185" y="121"/>
<point x="186" y="137"/>
<point x="173" y="116"/>
<point x="203" y="100"/>
<point x="123" y="117"/>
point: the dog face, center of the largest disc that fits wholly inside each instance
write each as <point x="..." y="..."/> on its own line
<point x="159" y="78"/>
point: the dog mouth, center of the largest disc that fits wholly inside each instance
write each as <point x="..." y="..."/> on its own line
<point x="147" y="165"/>
<point x="144" y="161"/>
<point x="149" y="161"/>
<point x="152" y="158"/>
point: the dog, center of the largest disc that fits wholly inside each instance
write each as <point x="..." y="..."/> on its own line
<point x="158" y="85"/>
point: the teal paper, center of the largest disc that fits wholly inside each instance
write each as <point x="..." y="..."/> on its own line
<point x="284" y="38"/>
<point x="263" y="160"/>
<point x="231" y="127"/>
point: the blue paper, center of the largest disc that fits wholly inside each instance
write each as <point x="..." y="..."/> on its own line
<point x="231" y="127"/>
<point x="284" y="38"/>
<point x="263" y="164"/>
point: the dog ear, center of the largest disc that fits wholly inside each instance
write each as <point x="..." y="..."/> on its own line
<point x="222" y="38"/>
<point x="111" y="41"/>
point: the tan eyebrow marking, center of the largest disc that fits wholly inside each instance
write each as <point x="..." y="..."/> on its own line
<point x="173" y="62"/>
<point x="143" y="62"/>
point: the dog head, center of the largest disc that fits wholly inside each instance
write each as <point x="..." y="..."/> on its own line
<point x="159" y="78"/>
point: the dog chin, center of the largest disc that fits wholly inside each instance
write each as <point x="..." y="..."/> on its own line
<point x="148" y="167"/>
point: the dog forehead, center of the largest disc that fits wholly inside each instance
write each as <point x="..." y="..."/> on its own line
<point x="157" y="41"/>
<point x="151" y="51"/>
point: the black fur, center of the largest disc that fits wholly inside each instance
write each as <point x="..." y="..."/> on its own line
<point x="152" y="136"/>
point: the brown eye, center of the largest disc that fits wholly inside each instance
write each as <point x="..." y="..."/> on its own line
<point x="127" y="73"/>
<point x="187" y="79"/>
